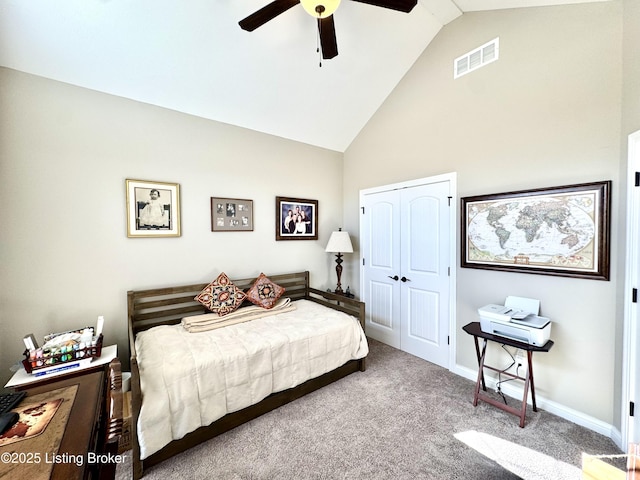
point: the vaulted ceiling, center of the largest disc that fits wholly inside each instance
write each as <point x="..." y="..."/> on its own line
<point x="191" y="56"/>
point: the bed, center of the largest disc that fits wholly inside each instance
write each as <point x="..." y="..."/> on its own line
<point x="171" y="309"/>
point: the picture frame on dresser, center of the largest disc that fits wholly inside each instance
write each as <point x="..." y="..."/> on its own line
<point x="296" y="219"/>
<point x="153" y="209"/>
<point x="561" y="231"/>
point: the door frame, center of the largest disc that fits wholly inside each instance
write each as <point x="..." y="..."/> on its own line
<point x="453" y="235"/>
<point x="630" y="426"/>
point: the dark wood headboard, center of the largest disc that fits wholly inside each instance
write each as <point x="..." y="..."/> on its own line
<point x="168" y="305"/>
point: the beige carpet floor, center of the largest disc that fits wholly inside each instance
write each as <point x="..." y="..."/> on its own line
<point x="403" y="418"/>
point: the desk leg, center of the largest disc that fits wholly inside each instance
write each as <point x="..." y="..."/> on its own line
<point x="528" y="381"/>
<point x="523" y="408"/>
<point x="480" y="380"/>
<point x="484" y="387"/>
<point x="533" y="389"/>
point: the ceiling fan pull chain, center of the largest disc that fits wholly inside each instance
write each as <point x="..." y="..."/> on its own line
<point x="318" y="41"/>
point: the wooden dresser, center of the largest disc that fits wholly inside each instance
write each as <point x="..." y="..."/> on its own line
<point x="79" y="438"/>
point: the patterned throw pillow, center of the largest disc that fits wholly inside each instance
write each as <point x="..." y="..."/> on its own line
<point x="264" y="292"/>
<point x="221" y="296"/>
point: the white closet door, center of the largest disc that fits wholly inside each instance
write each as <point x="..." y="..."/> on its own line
<point x="405" y="240"/>
<point x="380" y="238"/>
<point x="424" y="263"/>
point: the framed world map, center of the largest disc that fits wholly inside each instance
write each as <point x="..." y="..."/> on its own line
<point x="553" y="231"/>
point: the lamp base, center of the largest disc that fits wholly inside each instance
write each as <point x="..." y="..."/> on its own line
<point x="339" y="261"/>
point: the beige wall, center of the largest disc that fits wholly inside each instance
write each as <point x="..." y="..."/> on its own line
<point x="65" y="153"/>
<point x="546" y="113"/>
<point x="631" y="69"/>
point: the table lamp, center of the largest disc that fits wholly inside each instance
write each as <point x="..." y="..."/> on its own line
<point x="339" y="243"/>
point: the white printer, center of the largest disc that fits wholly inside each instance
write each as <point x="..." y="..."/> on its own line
<point x="517" y="319"/>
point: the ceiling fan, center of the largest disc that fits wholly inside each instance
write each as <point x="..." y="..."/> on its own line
<point x="323" y="11"/>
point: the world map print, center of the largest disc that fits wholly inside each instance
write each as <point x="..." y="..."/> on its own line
<point x="556" y="231"/>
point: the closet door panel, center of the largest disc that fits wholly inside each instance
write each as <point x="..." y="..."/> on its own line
<point x="424" y="264"/>
<point x="381" y="247"/>
<point x="422" y="305"/>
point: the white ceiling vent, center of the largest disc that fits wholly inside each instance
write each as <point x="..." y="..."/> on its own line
<point x="477" y="58"/>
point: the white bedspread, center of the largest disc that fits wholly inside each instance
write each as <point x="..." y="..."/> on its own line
<point x="191" y="379"/>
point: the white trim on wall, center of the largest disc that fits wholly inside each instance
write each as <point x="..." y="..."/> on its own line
<point x="630" y="426"/>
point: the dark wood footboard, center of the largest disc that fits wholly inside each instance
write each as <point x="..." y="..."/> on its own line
<point x="166" y="306"/>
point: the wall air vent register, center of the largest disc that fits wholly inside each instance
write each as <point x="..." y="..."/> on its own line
<point x="476" y="58"/>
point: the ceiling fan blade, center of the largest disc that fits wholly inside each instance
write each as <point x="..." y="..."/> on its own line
<point x="266" y="13"/>
<point x="401" y="5"/>
<point x="328" y="43"/>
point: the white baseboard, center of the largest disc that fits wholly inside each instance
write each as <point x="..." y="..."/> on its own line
<point x="550" y="406"/>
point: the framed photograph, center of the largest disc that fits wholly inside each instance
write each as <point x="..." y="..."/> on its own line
<point x="296" y="219"/>
<point x="231" y="215"/>
<point x="562" y="231"/>
<point x="153" y="209"/>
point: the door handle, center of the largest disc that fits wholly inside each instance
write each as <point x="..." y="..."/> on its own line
<point x="405" y="279"/>
<point x="395" y="277"/>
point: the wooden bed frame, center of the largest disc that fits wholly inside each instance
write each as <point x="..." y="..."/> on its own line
<point x="166" y="306"/>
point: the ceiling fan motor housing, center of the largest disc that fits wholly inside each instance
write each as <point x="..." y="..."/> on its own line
<point x="320" y="8"/>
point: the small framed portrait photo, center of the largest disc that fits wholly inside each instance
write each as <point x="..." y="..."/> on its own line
<point x="231" y="215"/>
<point x="153" y="209"/>
<point x="296" y="219"/>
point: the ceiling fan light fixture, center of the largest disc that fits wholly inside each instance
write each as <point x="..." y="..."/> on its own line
<point x="320" y="8"/>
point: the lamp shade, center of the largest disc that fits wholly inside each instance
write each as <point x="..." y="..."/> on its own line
<point x="327" y="7"/>
<point x="339" y="242"/>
